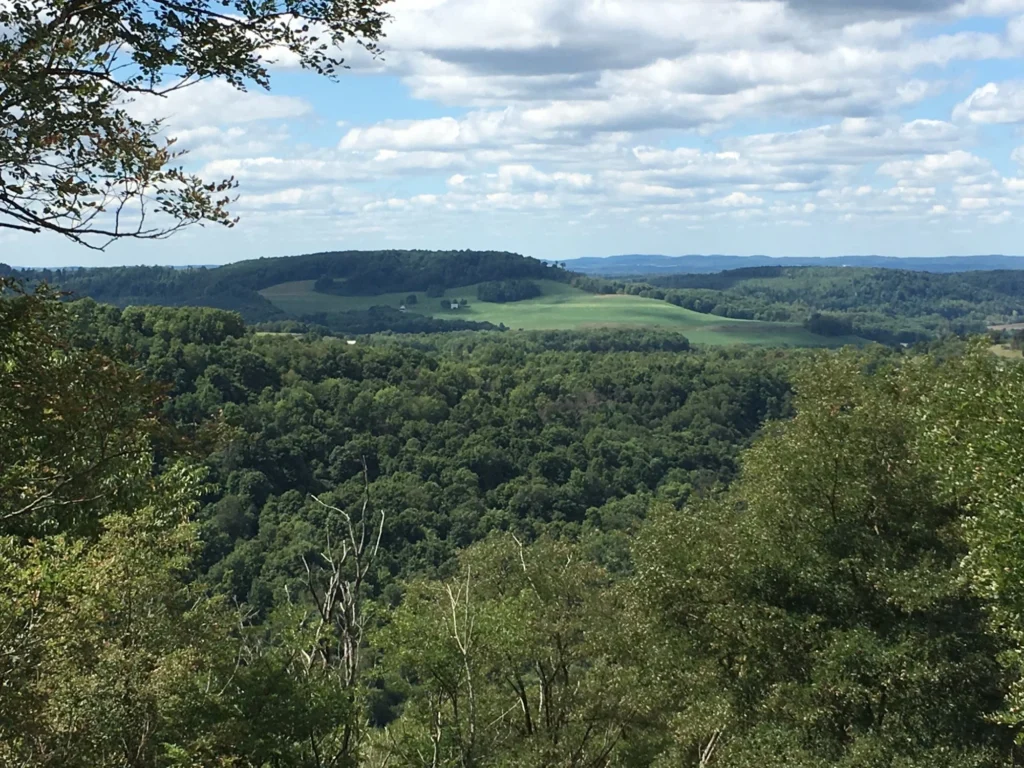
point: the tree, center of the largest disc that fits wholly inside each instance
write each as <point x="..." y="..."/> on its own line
<point x="818" y="614"/>
<point x="73" y="159"/>
<point x="516" y="661"/>
<point x="74" y="426"/>
<point x="108" y="656"/>
<point x="968" y="413"/>
<point x="323" y="284"/>
<point x="503" y="291"/>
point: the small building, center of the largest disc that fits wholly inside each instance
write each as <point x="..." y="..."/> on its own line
<point x="455" y="305"/>
<point x="402" y="308"/>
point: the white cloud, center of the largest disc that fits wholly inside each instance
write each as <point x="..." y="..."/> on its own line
<point x="852" y="141"/>
<point x="974" y="203"/>
<point x="679" y="113"/>
<point x="215" y="103"/>
<point x="510" y="176"/>
<point x="994" y="103"/>
<point x="738" y="199"/>
<point x="476" y="129"/>
<point x="951" y="165"/>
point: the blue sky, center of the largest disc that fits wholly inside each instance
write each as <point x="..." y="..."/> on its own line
<point x="567" y="128"/>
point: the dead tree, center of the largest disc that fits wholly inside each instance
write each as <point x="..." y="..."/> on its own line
<point x="336" y="585"/>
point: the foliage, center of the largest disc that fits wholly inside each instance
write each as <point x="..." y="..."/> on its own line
<point x="112" y="653"/>
<point x="829" y="325"/>
<point x="67" y="417"/>
<point x="76" y="162"/>
<point x="501" y="292"/>
<point x="819" y="606"/>
<point x="462" y="434"/>
<point x="968" y="418"/>
<point x="886" y="305"/>
<point x="324" y="284"/>
<point x="839" y="304"/>
<point x="384" y="318"/>
<point x="514" y="550"/>
<point x="102" y="644"/>
<point x="518" y="660"/>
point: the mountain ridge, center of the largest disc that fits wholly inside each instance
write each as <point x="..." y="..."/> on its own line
<point x="647" y="264"/>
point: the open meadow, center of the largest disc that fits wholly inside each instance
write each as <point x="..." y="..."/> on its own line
<point x="561" y="307"/>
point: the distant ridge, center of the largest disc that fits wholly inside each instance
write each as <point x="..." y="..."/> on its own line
<point x="641" y="264"/>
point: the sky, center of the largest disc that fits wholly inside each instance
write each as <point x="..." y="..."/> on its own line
<point x="567" y="128"/>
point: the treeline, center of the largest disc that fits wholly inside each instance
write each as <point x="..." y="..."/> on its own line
<point x="368" y="273"/>
<point x="126" y="286"/>
<point x="383" y="318"/>
<point x="489" y="550"/>
<point x="505" y="291"/>
<point x="236" y="286"/>
<point x="885" y="305"/>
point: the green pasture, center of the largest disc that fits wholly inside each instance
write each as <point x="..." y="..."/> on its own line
<point x="562" y="307"/>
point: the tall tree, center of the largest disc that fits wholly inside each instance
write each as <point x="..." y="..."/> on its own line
<point x="818" y="613"/>
<point x="73" y="159"/>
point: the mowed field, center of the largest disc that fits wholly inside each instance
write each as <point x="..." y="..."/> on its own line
<point x="562" y="307"/>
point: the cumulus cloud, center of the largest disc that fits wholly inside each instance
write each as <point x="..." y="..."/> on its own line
<point x="667" y="111"/>
<point x="994" y="103"/>
<point x="873" y="6"/>
<point x="951" y="165"/>
<point x="214" y="103"/>
<point x="852" y="141"/>
<point x="476" y="129"/>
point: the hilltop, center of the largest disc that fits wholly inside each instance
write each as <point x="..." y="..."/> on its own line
<point x="237" y="286"/>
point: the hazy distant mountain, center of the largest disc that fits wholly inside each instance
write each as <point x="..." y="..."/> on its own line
<point x="640" y="264"/>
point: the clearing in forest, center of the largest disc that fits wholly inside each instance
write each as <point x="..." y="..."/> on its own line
<point x="561" y="307"/>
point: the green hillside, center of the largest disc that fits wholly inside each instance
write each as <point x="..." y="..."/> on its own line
<point x="561" y="307"/>
<point x="886" y="305"/>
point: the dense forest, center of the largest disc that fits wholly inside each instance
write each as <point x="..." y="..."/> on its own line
<point x="351" y="535"/>
<point x="460" y="435"/>
<point x="224" y="548"/>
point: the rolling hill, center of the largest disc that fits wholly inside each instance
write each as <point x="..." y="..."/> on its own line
<point x="641" y="264"/>
<point x="354" y="292"/>
<point x="561" y="307"/>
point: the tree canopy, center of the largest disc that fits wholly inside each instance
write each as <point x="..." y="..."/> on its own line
<point x="73" y="158"/>
<point x="502" y="550"/>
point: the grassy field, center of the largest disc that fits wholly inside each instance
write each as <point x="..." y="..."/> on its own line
<point x="562" y="307"/>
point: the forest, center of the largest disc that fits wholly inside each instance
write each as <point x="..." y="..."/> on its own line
<point x="236" y="286"/>
<point x="257" y="516"/>
<point x="224" y="547"/>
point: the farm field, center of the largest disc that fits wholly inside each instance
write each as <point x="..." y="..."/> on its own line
<point x="562" y="307"/>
